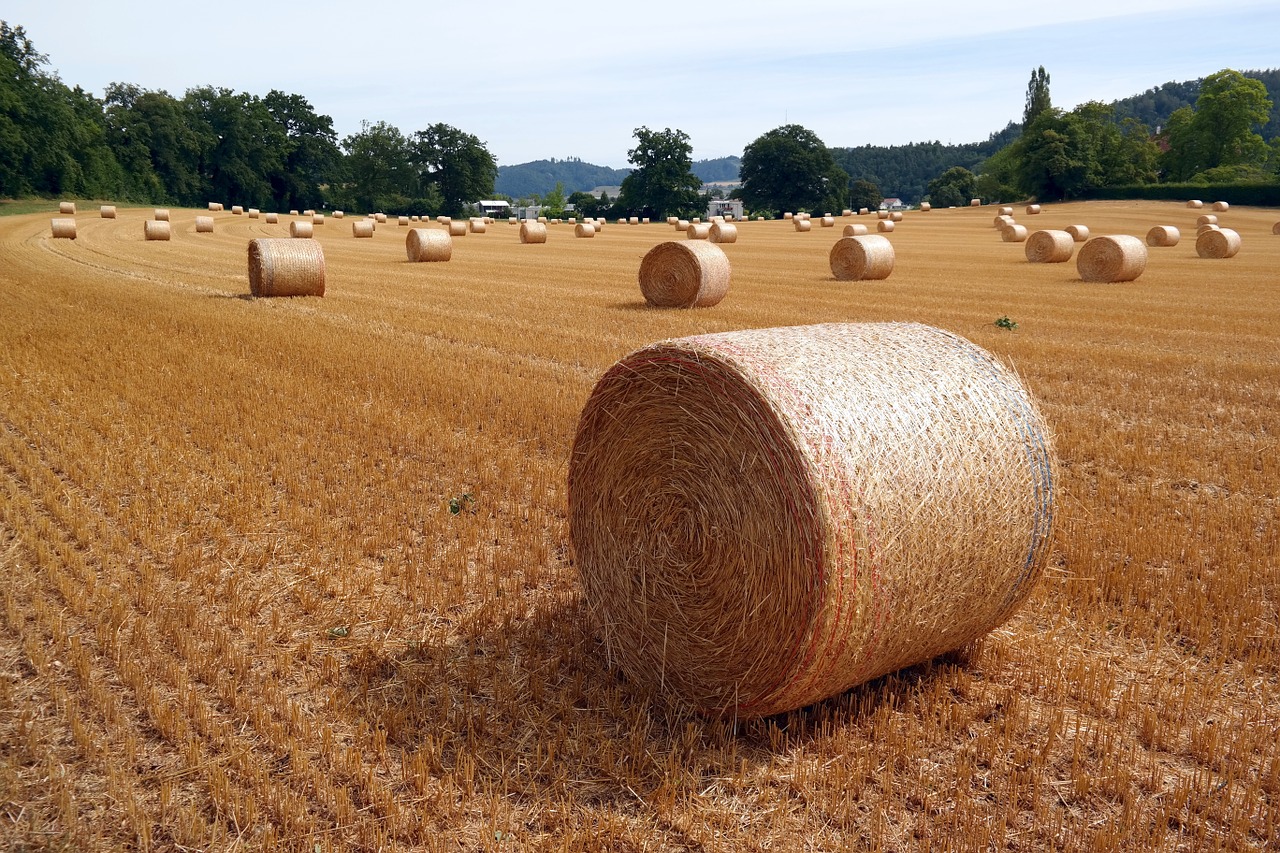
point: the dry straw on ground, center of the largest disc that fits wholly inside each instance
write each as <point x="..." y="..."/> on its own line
<point x="839" y="557"/>
<point x="698" y="230"/>
<point x="300" y="229"/>
<point x="161" y="214"/>
<point x="204" y="224"/>
<point x="284" y="267"/>
<point x="723" y="232"/>
<point x="584" y="229"/>
<point x="156" y="229"/>
<point x="1013" y="233"/>
<point x="1050" y="247"/>
<point x="854" y="230"/>
<point x="1079" y="233"/>
<point x="885" y="226"/>
<point x="67" y="208"/>
<point x="533" y="232"/>
<point x="362" y="228"/>
<point x="1113" y="258"/>
<point x="1218" y="244"/>
<point x="1163" y="236"/>
<point x="107" y="211"/>
<point x="689" y="274"/>
<point x="862" y="258"/>
<point x="63" y="228"/>
<point x="428" y="245"/>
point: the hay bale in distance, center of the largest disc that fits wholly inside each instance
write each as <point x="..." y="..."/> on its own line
<point x="723" y="232"/>
<point x="1033" y="209"/>
<point x="854" y="230"/>
<point x="1195" y="204"/>
<point x="788" y="215"/>
<point x="827" y="222"/>
<point x="215" y="207"/>
<point x="457" y="228"/>
<point x="698" y="230"/>
<point x="300" y="229"/>
<point x="1208" y="226"/>
<point x="533" y="232"/>
<point x="156" y="229"/>
<point x="895" y="216"/>
<point x="890" y="488"/>
<point x="237" y="210"/>
<point x="253" y="213"/>
<point x="1275" y="229"/>
<point x="1079" y="233"/>
<point x="1113" y="258"/>
<point x="107" y="211"/>
<point x="1050" y="247"/>
<point x="885" y="226"/>
<point x="362" y="228"/>
<point x="204" y="224"/>
<point x="801" y="224"/>
<point x="1206" y="219"/>
<point x="925" y="206"/>
<point x="862" y="211"/>
<point x="293" y="211"/>
<point x="1221" y="206"/>
<point x="402" y="220"/>
<point x="1163" y="236"/>
<point x="423" y="245"/>
<point x="317" y="219"/>
<point x="161" y="214"/>
<point x="284" y="267"/>
<point x="62" y="228"/>
<point x="67" y="208"/>
<point x="1002" y="220"/>
<point x="862" y="258"/>
<point x="975" y="202"/>
<point x="584" y="229"/>
<point x="1014" y="233"/>
<point x="882" y="214"/>
<point x="271" y="218"/>
<point x="1006" y="210"/>
<point x="478" y="226"/>
<point x="1218" y="244"/>
<point x="690" y="274"/>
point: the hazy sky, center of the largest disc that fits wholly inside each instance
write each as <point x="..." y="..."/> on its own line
<point x="538" y="80"/>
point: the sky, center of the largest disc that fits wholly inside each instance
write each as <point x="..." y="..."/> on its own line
<point x="541" y="80"/>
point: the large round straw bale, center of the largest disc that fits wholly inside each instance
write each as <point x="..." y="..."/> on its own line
<point x="1206" y="219"/>
<point x="67" y="208"/>
<point x="299" y="228"/>
<point x="362" y="228"/>
<point x="533" y="232"/>
<point x="1208" y="226"/>
<point x="925" y="206"/>
<point x="271" y="218"/>
<point x="1218" y="244"/>
<point x="855" y="230"/>
<point x="511" y="220"/>
<point x="156" y="229"/>
<point x="338" y="214"/>
<point x="62" y="228"/>
<point x="828" y="222"/>
<point x="723" y="232"/>
<point x="975" y="202"/>
<point x="644" y="220"/>
<point x="204" y="224"/>
<point x="1221" y="206"/>
<point x="161" y="214"/>
<point x="788" y="215"/>
<point x="1079" y="233"/>
<point x="1050" y="247"/>
<point x="584" y="229"/>
<point x="442" y="219"/>
<point x="1163" y="236"/>
<point x="765" y="518"/>
<point x="428" y="244"/>
<point x="284" y="267"/>
<point x="293" y="211"/>
<point x="801" y="224"/>
<point x="1275" y="229"/>
<point x="886" y="225"/>
<point x="1033" y="209"/>
<point x="1014" y="233"/>
<point x="846" y="212"/>
<point x="1195" y="204"/>
<point x="237" y="210"/>
<point x="1002" y="220"/>
<point x="862" y="211"/>
<point x="1006" y="210"/>
<point x="107" y="211"/>
<point x="692" y="274"/>
<point x="478" y="226"/>
<point x="862" y="258"/>
<point x="698" y="230"/>
<point x="457" y="228"/>
<point x="1118" y="257"/>
<point x="310" y="211"/>
<point x="682" y="225"/>
<point x="402" y="220"/>
<point x="633" y="220"/>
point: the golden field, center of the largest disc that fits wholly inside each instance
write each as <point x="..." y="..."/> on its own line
<point x="240" y="614"/>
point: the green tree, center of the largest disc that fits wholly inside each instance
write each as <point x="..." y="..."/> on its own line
<point x="378" y="174"/>
<point x="997" y="176"/>
<point x="310" y="157"/>
<point x="1037" y="97"/>
<point x="458" y="164"/>
<point x="662" y="183"/>
<point x="240" y="145"/>
<point x="864" y="193"/>
<point x="1222" y="128"/>
<point x="953" y="188"/>
<point x="553" y="202"/>
<point x="156" y="144"/>
<point x="790" y="169"/>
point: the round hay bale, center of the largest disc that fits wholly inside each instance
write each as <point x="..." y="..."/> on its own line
<point x="633" y="220"/>
<point x="533" y="232"/>
<point x="846" y="212"/>
<point x="1002" y="220"/>
<point x="1206" y="219"/>
<point x="1033" y="209"/>
<point x="1218" y="244"/>
<point x="204" y="224"/>
<point x="237" y="210"/>
<point x="478" y="226"/>
<point x="1006" y="210"/>
<point x="584" y="229"/>
<point x="1275" y="229"/>
<point x="1014" y="233"/>
<point x="317" y="219"/>
<point x="293" y="211"/>
<point x="511" y="220"/>
<point x="284" y="267"/>
<point x="62" y="228"/>
<point x="885" y="226"/>
<point x="1079" y="233"/>
<point x="1119" y="257"/>
<point x="441" y="219"/>
<point x="1050" y="247"/>
<point x="599" y="223"/>
<point x="827" y="222"/>
<point x="698" y="230"/>
<point x="1208" y="226"/>
<point x="862" y="211"/>
<point x="801" y="224"/>
<point x="682" y="225"/>
<point x="156" y="229"/>
<point x="644" y="220"/>
<point x="271" y="218"/>
<point x="975" y="202"/>
<point x="309" y="212"/>
<point x="107" y="211"/>
<point x="895" y="216"/>
<point x="402" y="220"/>
<point x="1163" y="236"/>
<point x="215" y="206"/>
<point x="457" y="228"/>
<point x="161" y="214"/>
<point x="882" y="214"/>
<point x="67" y="208"/>
<point x="762" y="519"/>
<point x="672" y="220"/>
<point x="1221" y="206"/>
<point x="759" y="217"/>
<point x="862" y="258"/>
<point x="1195" y="204"/>
<point x="698" y="219"/>
<point x="253" y="213"/>
<point x="362" y="228"/>
<point x="788" y="215"/>
<point x="338" y="214"/>
<point x="723" y="232"/>
<point x="428" y="245"/>
<point x="692" y="274"/>
<point x="855" y="230"/>
<point x="925" y="206"/>
<point x="300" y="229"/>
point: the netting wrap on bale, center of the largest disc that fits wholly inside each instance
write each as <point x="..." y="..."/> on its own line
<point x="766" y="518"/>
<point x="690" y="274"/>
<point x="859" y="258"/>
<point x="1050" y="247"/>
<point x="428" y="244"/>
<point x="1118" y="257"/>
<point x="285" y="267"/>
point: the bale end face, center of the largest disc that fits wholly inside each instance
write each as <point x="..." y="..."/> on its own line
<point x="690" y="274"/>
<point x="1163" y="236"/>
<point x="285" y="267"/>
<point x="1112" y="259"/>
<point x="1218" y="244"/>
<point x="862" y="258"/>
<point x="1079" y="233"/>
<point x="1050" y="247"/>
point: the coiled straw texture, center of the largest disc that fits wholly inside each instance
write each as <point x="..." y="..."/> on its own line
<point x="1050" y="247"/>
<point x="285" y="267"/>
<point x="584" y="229"/>
<point x="1218" y="244"/>
<point x="861" y="258"/>
<point x="766" y="518"/>
<point x="428" y="244"/>
<point x="1119" y="257"/>
<point x="1163" y="236"/>
<point x="688" y="274"/>
<point x="1079" y="233"/>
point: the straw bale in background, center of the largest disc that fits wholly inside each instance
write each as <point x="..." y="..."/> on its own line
<point x="362" y="228"/>
<point x="237" y="210"/>
<point x="457" y="228"/>
<point x="1050" y="247"/>
<point x="271" y="218"/>
<point x="478" y="226"/>
<point x="885" y="226"/>
<point x="855" y="230"/>
<point x="533" y="232"/>
<point x="801" y="224"/>
<point x="299" y="228"/>
<point x="156" y="229"/>
<point x="1221" y="206"/>
<point x="1117" y="257"/>
<point x="216" y="206"/>
<point x="691" y="274"/>
<point x="428" y="245"/>
<point x="1079" y="233"/>
<point x="161" y="214"/>
<point x="862" y="258"/>
<point x="67" y="208"/>
<point x="1206" y="219"/>
<point x="1033" y="209"/>
<point x="1014" y="233"/>
<point x="698" y="230"/>
<point x="1163" y="236"/>
<point x="107" y="211"/>
<point x="204" y="224"/>
<point x="1195" y="204"/>
<point x="723" y="232"/>
<point x="62" y="228"/>
<point x="827" y="222"/>
<point x="584" y="229"/>
<point x="1218" y="244"/>
<point x="284" y="267"/>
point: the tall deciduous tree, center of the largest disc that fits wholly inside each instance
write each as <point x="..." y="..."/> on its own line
<point x="662" y="183"/>
<point x="864" y="193"/>
<point x="953" y="188"/>
<point x="378" y="173"/>
<point x="310" y="155"/>
<point x="1221" y="130"/>
<point x="1037" y="97"/>
<point x="790" y="169"/>
<point x="458" y="165"/>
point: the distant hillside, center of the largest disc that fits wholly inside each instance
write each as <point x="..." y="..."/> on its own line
<point x="541" y="176"/>
<point x="1154" y="106"/>
<point x="722" y="169"/>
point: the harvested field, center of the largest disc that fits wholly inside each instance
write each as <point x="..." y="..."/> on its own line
<point x="295" y="573"/>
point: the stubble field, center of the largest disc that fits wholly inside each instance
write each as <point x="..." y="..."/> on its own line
<point x="239" y="611"/>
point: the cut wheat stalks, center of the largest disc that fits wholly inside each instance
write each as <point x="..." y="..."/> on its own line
<point x="161" y="214"/>
<point x="204" y="224"/>
<point x="1079" y="233"/>
<point x="1195" y="204"/>
<point x="801" y="224"/>
<point x="271" y="218"/>
<point x="1218" y="244"/>
<point x="723" y="232"/>
<point x="66" y="208"/>
<point x="362" y="228"/>
<point x="862" y="258"/>
<point x="284" y="267"/>
<point x="886" y="226"/>
<point x="300" y="229"/>
<point x="698" y="230"/>
<point x="1163" y="236"/>
<point x="1013" y="233"/>
<point x="1050" y="247"/>
<point x="1033" y="209"/>
<point x="457" y="228"/>
<point x="1206" y="219"/>
<point x="827" y="222"/>
<point x="156" y="229"/>
<point x="854" y="230"/>
<point x="690" y="274"/>
<point x="584" y="229"/>
<point x="1114" y="258"/>
<point x="1221" y="206"/>
<point x="62" y="228"/>
<point x="423" y="245"/>
<point x="766" y="518"/>
<point x="478" y="226"/>
<point x="533" y="232"/>
<point x="107" y="211"/>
